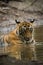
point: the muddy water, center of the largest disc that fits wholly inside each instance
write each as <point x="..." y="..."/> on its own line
<point x="38" y="33"/>
<point x="38" y="37"/>
<point x="39" y="50"/>
<point x="20" y="51"/>
<point x="24" y="52"/>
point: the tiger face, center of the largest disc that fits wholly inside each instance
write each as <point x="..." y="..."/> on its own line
<point x="25" y="31"/>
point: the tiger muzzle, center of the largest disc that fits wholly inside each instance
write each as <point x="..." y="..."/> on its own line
<point x="27" y="39"/>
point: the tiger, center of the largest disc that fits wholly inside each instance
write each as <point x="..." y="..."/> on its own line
<point x="22" y="34"/>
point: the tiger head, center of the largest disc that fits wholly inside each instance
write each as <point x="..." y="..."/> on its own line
<point x="25" y="31"/>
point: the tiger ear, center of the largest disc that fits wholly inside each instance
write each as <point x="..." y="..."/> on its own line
<point x="32" y="20"/>
<point x="17" y="21"/>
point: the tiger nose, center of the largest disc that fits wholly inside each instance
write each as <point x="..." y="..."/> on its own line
<point x="27" y="39"/>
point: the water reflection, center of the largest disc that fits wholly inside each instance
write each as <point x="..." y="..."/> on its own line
<point x="22" y="52"/>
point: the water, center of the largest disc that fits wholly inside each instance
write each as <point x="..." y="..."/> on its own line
<point x="38" y="33"/>
<point x="22" y="51"/>
<point x="38" y="37"/>
<point x="39" y="50"/>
